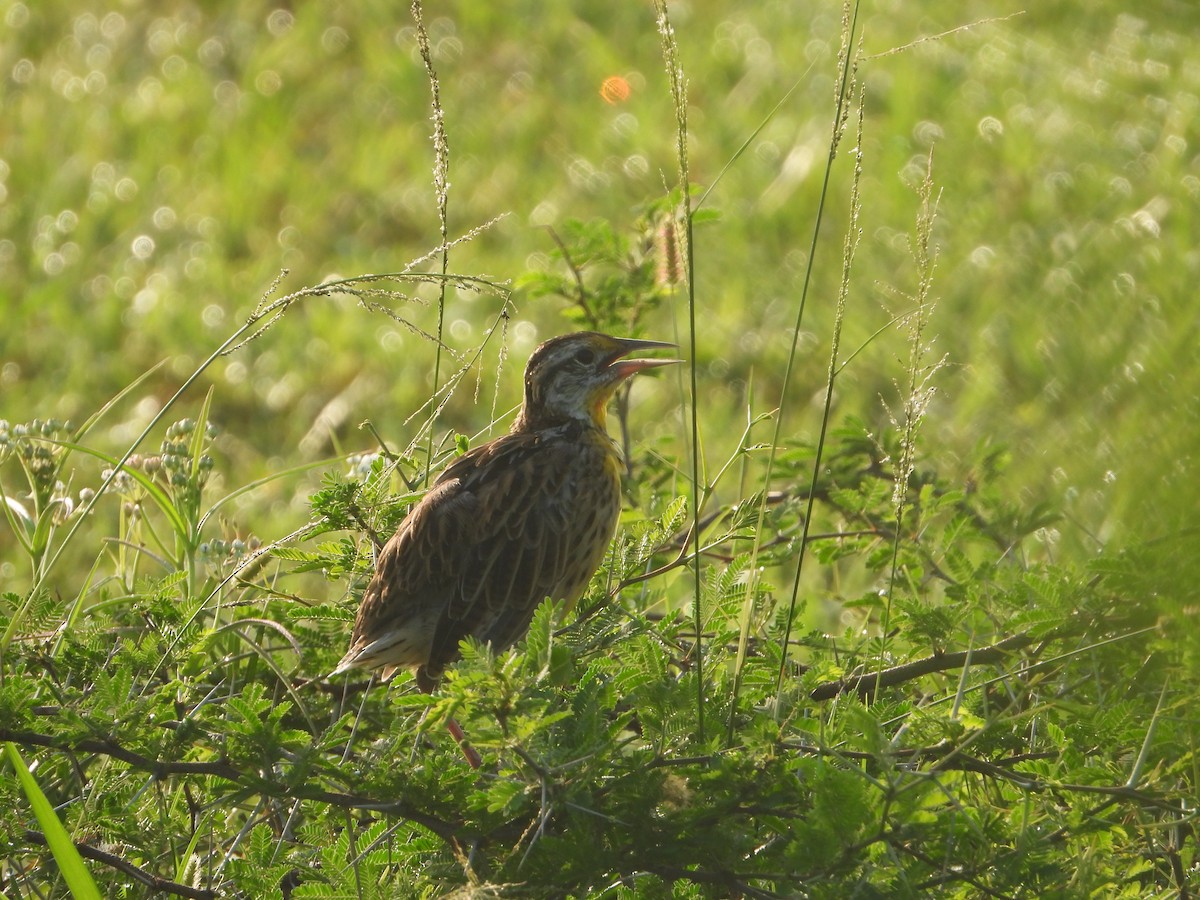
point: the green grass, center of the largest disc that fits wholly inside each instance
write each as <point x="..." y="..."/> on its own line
<point x="163" y="163"/>
<point x="75" y="873"/>
<point x="1062" y="143"/>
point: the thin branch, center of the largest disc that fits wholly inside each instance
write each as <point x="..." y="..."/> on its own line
<point x="577" y="274"/>
<point x="222" y="768"/>
<point x="954" y="876"/>
<point x="947" y="757"/>
<point x="149" y="879"/>
<point x="737" y="885"/>
<point x="867" y="683"/>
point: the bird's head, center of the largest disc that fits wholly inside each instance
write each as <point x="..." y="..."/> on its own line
<point x="573" y="376"/>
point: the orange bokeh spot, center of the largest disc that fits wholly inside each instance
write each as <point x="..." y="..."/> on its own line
<point x="615" y="89"/>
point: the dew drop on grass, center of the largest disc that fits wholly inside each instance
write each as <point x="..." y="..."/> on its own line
<point x="98" y="56"/>
<point x="112" y="25"/>
<point x="280" y="22"/>
<point x="990" y="128"/>
<point x="211" y="52"/>
<point x="126" y="189"/>
<point x="53" y="264"/>
<point x="24" y="71"/>
<point x="268" y="82"/>
<point x="335" y="39"/>
<point x="142" y="246"/>
<point x="17" y="15"/>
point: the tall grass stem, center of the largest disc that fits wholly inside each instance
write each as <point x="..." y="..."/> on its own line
<point x="441" y="186"/>
<point x="670" y="51"/>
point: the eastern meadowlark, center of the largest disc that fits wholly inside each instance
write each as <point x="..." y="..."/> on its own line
<point x="516" y="520"/>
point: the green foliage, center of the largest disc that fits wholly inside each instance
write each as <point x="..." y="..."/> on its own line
<point x="931" y="674"/>
<point x="1010" y="703"/>
<point x="611" y="281"/>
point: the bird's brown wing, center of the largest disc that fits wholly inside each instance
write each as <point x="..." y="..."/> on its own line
<point x="408" y="593"/>
<point x="498" y="532"/>
<point x="522" y="543"/>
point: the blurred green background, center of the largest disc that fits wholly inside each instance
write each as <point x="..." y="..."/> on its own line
<point x="161" y="162"/>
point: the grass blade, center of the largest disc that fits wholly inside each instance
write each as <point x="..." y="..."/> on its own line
<point x="70" y="863"/>
<point x="670" y="52"/>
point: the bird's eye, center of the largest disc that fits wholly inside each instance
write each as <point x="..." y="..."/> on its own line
<point x="585" y="355"/>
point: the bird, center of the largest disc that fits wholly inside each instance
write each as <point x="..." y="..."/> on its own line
<point x="522" y="518"/>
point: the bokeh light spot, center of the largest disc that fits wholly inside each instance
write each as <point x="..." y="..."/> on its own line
<point x="615" y="89"/>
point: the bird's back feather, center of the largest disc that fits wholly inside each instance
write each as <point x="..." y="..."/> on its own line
<point x="500" y="531"/>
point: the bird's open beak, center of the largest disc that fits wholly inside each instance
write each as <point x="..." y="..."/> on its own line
<point x="621" y="368"/>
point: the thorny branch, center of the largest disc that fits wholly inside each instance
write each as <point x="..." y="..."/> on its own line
<point x="222" y="768"/>
<point x="149" y="879"/>
<point x="865" y="684"/>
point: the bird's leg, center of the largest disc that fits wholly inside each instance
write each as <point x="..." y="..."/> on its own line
<point x="469" y="753"/>
<point x="427" y="682"/>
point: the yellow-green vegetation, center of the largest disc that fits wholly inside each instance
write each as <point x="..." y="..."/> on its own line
<point x="902" y="601"/>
